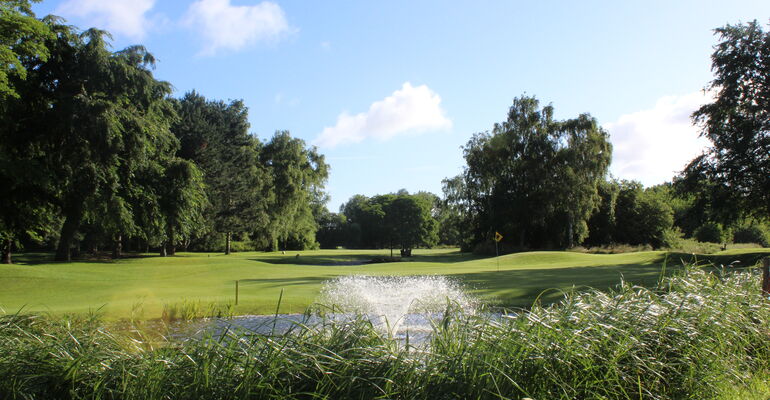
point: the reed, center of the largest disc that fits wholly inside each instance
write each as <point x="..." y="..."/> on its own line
<point x="698" y="334"/>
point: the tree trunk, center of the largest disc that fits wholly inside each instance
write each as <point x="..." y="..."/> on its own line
<point x="117" y="248"/>
<point x="163" y="249"/>
<point x="171" y="248"/>
<point x="570" y="234"/>
<point x="228" y="239"/>
<point x="7" y="251"/>
<point x="68" y="230"/>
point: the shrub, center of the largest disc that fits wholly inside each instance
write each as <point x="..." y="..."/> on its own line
<point x="711" y="232"/>
<point x="671" y="238"/>
<point x="752" y="233"/>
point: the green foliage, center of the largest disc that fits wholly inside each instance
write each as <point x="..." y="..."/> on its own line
<point x="92" y="122"/>
<point x="752" y="233"/>
<point x="399" y="219"/>
<point x="182" y="200"/>
<point x="215" y="136"/>
<point x="641" y="216"/>
<point x="22" y="37"/>
<point x="672" y="238"/>
<point x="534" y="179"/>
<point x="331" y="229"/>
<point x="712" y="232"/>
<point x="737" y="121"/>
<point x="298" y="174"/>
<point x="602" y="224"/>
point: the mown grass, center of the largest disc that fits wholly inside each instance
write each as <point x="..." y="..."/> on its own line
<point x="699" y="334"/>
<point x="143" y="287"/>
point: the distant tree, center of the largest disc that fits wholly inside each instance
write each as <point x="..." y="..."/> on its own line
<point x="601" y="225"/>
<point x="738" y="121"/>
<point x="752" y="232"/>
<point x="454" y="217"/>
<point x="533" y="178"/>
<point x="700" y="195"/>
<point x="298" y="175"/>
<point x="711" y="232"/>
<point x="409" y="221"/>
<point x="331" y="230"/>
<point x="641" y="217"/>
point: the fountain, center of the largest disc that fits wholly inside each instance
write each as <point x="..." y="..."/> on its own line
<point x="399" y="307"/>
<point x="396" y="305"/>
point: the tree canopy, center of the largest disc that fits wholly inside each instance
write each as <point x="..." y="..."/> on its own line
<point x="737" y="122"/>
<point x="533" y="178"/>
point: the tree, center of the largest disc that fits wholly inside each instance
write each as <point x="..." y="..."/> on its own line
<point x="22" y="37"/>
<point x="534" y="179"/>
<point x="215" y="136"/>
<point x="409" y="221"/>
<point x="91" y="119"/>
<point x="738" y="121"/>
<point x="601" y="225"/>
<point x="298" y="174"/>
<point x="641" y="216"/>
<point x="182" y="201"/>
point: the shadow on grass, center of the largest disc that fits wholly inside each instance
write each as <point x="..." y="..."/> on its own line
<point x="285" y="282"/>
<point x="520" y="288"/>
<point x="363" y="258"/>
<point x="48" y="258"/>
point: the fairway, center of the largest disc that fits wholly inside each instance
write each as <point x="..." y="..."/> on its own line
<point x="139" y="287"/>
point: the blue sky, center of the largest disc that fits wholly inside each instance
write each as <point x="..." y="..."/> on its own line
<point x="390" y="91"/>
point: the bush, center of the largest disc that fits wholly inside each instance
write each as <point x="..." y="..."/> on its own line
<point x="711" y="232"/>
<point x="671" y="238"/>
<point x="752" y="233"/>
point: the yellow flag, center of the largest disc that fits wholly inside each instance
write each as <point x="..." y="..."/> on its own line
<point x="498" y="237"/>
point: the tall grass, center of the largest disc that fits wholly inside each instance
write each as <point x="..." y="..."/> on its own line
<point x="697" y="335"/>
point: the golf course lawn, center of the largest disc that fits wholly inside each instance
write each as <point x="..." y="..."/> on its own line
<point x="140" y="286"/>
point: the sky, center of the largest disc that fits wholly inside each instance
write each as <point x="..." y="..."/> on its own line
<point x="390" y="91"/>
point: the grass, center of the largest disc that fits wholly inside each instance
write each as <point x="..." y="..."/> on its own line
<point x="145" y="287"/>
<point x="695" y="335"/>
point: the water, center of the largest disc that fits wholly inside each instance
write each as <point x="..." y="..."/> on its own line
<point x="396" y="304"/>
<point x="398" y="307"/>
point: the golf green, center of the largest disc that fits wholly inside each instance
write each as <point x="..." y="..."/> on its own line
<point x="141" y="286"/>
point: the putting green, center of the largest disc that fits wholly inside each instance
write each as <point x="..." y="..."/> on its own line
<point x="141" y="286"/>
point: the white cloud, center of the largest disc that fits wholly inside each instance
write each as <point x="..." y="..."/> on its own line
<point x="653" y="145"/>
<point x="228" y="27"/>
<point x="408" y="110"/>
<point x="124" y="17"/>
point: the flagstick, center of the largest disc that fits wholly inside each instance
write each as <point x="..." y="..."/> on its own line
<point x="497" y="257"/>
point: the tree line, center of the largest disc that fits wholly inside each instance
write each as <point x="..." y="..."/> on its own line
<point x="95" y="153"/>
<point x="543" y="183"/>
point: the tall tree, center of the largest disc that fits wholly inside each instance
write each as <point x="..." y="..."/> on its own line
<point x="22" y="37"/>
<point x="215" y="136"/>
<point x="182" y="201"/>
<point x="534" y="178"/>
<point x="298" y="174"/>
<point x="94" y="118"/>
<point x="738" y="121"/>
<point x="25" y="198"/>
